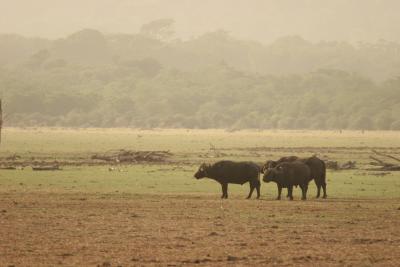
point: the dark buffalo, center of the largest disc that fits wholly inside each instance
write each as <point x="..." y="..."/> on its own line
<point x="271" y="163"/>
<point x="287" y="175"/>
<point x="229" y="172"/>
<point x="318" y="173"/>
<point x="316" y="165"/>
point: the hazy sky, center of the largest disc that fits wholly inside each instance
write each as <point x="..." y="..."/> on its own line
<point x="263" y="20"/>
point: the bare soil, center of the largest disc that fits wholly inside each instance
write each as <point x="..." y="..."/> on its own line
<point x="77" y="229"/>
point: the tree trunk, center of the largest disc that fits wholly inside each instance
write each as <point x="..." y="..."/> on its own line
<point x="1" y="119"/>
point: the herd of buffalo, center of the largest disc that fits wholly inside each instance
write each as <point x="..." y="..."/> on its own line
<point x="286" y="172"/>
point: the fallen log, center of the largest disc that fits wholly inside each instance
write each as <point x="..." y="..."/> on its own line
<point x="334" y="165"/>
<point x="103" y="157"/>
<point x="129" y="156"/>
<point x="46" y="168"/>
<point x="8" y="168"/>
<point x="384" y="166"/>
<point x="348" y="165"/>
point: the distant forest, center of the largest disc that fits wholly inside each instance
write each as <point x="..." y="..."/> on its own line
<point x="149" y="79"/>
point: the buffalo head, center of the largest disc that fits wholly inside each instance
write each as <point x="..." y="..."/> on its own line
<point x="202" y="171"/>
<point x="271" y="174"/>
<point x="268" y="165"/>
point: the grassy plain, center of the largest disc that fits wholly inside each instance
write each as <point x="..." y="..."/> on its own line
<point x="158" y="214"/>
<point x="60" y="140"/>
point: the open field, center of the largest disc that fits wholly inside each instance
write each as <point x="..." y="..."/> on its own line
<point x="193" y="146"/>
<point x="157" y="214"/>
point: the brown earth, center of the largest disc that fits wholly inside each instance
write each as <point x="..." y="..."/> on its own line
<point x="44" y="229"/>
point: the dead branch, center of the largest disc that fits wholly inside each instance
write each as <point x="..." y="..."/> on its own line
<point x="386" y="155"/>
<point x="384" y="166"/>
<point x="380" y="162"/>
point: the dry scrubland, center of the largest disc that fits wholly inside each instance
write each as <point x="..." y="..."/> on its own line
<point x="158" y="214"/>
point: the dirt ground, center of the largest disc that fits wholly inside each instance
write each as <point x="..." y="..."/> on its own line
<point x="45" y="229"/>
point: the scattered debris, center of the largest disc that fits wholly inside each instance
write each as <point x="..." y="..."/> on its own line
<point x="13" y="157"/>
<point x="8" y="168"/>
<point x="46" y="168"/>
<point x="383" y="165"/>
<point x="232" y="258"/>
<point x="349" y="165"/>
<point x="386" y="155"/>
<point x="113" y="169"/>
<point x="129" y="156"/>
<point x="380" y="173"/>
<point x="105" y="264"/>
<point x="334" y="165"/>
<point x="66" y="254"/>
<point x="12" y="168"/>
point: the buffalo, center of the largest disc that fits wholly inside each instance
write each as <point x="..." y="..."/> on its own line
<point x="318" y="173"/>
<point x="271" y="163"/>
<point x="287" y="175"/>
<point x="229" y="172"/>
<point x="316" y="165"/>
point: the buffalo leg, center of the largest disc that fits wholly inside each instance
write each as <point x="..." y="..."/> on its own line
<point x="303" y="192"/>
<point x="279" y="192"/>
<point x="290" y="192"/>
<point x="324" y="189"/>
<point x="251" y="190"/>
<point x="258" y="189"/>
<point x="318" y="189"/>
<point x="224" y="190"/>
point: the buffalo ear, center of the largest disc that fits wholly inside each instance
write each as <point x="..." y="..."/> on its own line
<point x="262" y="169"/>
<point x="202" y="166"/>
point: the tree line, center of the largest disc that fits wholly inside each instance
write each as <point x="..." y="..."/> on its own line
<point x="149" y="80"/>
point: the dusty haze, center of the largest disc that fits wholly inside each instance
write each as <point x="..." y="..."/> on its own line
<point x="304" y="64"/>
<point x="110" y="107"/>
<point x="263" y="20"/>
